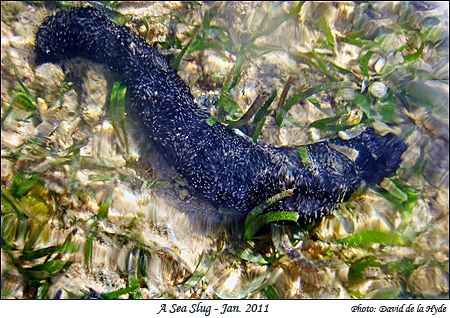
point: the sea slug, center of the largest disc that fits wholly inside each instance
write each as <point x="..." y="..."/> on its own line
<point x="226" y="169"/>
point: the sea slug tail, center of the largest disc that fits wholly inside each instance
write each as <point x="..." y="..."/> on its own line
<point x="378" y="156"/>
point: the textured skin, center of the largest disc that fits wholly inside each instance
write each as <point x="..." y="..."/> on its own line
<point x="226" y="169"/>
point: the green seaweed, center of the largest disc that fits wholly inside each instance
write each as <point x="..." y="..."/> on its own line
<point x="387" y="293"/>
<point x="212" y="120"/>
<point x="66" y="247"/>
<point x="271" y="293"/>
<point x="402" y="196"/>
<point x="387" y="107"/>
<point x="261" y="115"/>
<point x="272" y="217"/>
<point x="367" y="238"/>
<point x="88" y="244"/>
<point x="100" y="177"/>
<point x="117" y="114"/>
<point x="249" y="255"/>
<point x="109" y="8"/>
<point x="200" y="271"/>
<point x="133" y="273"/>
<point x="297" y="98"/>
<point x="303" y="153"/>
<point x="364" y="103"/>
<point x="200" y="40"/>
<point x="227" y="104"/>
<point x="177" y="61"/>
<point x="237" y="69"/>
<point x="364" y="62"/>
<point x="416" y="55"/>
<point x="21" y="99"/>
<point x="255" y="218"/>
<point x="404" y="266"/>
<point x="286" y="87"/>
<point x="255" y="107"/>
<point x="65" y="87"/>
<point x="358" y="268"/>
<point x="329" y="124"/>
<point x="326" y="30"/>
<point x="117" y="293"/>
<point x="22" y="184"/>
<point x="357" y="41"/>
<point x="38" y="277"/>
<point x="26" y="204"/>
<point x="156" y="182"/>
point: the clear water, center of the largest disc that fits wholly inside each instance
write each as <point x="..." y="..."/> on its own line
<point x="84" y="215"/>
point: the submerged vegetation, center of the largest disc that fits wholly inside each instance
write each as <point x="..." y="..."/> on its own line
<point x="81" y="213"/>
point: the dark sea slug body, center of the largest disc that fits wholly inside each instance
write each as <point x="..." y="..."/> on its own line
<point x="226" y="169"/>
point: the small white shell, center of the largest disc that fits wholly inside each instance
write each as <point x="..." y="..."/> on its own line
<point x="378" y="89"/>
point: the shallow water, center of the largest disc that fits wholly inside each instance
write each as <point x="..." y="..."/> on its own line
<point x="84" y="215"/>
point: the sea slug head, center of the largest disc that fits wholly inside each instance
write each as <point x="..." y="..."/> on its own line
<point x="49" y="44"/>
<point x="58" y="38"/>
